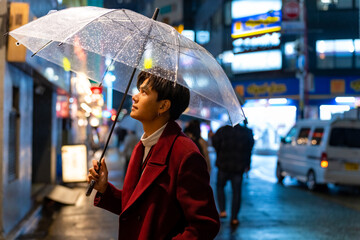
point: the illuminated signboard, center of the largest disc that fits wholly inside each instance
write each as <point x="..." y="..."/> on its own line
<point x="74" y="163"/>
<point x="266" y="41"/>
<point x="256" y="61"/>
<point x="256" y="24"/>
<point x="190" y="34"/>
<point x="245" y="8"/>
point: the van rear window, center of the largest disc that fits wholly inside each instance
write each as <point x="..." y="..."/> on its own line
<point x="303" y="136"/>
<point x="317" y="136"/>
<point x="345" y="137"/>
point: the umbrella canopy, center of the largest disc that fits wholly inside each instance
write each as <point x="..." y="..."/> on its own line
<point x="106" y="44"/>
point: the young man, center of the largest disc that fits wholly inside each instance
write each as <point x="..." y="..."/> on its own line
<point x="166" y="192"/>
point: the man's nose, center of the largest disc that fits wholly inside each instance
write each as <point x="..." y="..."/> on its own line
<point x="135" y="97"/>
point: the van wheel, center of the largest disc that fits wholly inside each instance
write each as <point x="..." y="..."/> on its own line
<point x="279" y="176"/>
<point x="311" y="181"/>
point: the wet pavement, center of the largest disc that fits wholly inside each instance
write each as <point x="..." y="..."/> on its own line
<point x="269" y="210"/>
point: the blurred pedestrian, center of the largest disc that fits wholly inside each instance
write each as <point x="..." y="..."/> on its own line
<point x="121" y="134"/>
<point x="130" y="142"/>
<point x="233" y="147"/>
<point x="193" y="131"/>
<point x="166" y="192"/>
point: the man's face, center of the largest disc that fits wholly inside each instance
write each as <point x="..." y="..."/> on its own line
<point x="145" y="106"/>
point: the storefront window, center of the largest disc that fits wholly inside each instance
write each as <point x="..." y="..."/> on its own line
<point x="269" y="123"/>
<point x="357" y="52"/>
<point x="290" y="55"/>
<point x="328" y="5"/>
<point x="327" y="111"/>
<point x="335" y="53"/>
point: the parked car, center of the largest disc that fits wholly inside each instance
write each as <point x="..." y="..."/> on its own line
<point x="319" y="152"/>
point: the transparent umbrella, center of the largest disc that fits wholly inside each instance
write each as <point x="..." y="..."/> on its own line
<point x="110" y="45"/>
<point x="106" y="44"/>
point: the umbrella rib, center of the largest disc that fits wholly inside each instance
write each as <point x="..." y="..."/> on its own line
<point x="120" y="51"/>
<point x="134" y="23"/>
<point x="178" y="58"/>
<point x="157" y="27"/>
<point x="153" y="38"/>
<point x="46" y="44"/>
<point x="118" y="22"/>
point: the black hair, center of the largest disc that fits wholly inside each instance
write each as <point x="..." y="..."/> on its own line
<point x="178" y="95"/>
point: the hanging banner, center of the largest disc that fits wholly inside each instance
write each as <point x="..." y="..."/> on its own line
<point x="18" y="16"/>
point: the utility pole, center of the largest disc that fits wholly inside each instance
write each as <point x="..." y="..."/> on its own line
<point x="303" y="68"/>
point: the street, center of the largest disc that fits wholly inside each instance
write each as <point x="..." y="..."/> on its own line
<point x="269" y="210"/>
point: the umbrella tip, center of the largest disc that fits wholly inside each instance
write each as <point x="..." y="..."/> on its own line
<point x="155" y="14"/>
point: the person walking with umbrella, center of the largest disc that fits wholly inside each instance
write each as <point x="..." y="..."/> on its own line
<point x="166" y="192"/>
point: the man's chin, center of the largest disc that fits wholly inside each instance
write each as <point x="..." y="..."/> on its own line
<point x="133" y="115"/>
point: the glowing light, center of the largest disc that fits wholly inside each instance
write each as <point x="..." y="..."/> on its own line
<point x="320" y="46"/>
<point x="109" y="77"/>
<point x="106" y="114"/>
<point x="277" y="101"/>
<point x="86" y="107"/>
<point x="66" y="64"/>
<point x="94" y="122"/>
<point x="148" y="63"/>
<point x="82" y="122"/>
<point x="345" y="99"/>
<point x="324" y="164"/>
<point x="97" y="112"/>
<point x="87" y="99"/>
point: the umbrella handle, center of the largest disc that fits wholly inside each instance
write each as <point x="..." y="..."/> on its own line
<point x="90" y="188"/>
<point x="92" y="183"/>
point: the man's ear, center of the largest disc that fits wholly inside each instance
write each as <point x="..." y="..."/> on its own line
<point x="164" y="106"/>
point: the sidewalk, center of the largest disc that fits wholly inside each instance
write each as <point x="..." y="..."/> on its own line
<point x="82" y="220"/>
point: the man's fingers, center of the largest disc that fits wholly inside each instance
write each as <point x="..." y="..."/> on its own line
<point x="91" y="177"/>
<point x="93" y="173"/>
<point x="95" y="163"/>
<point x="103" y="164"/>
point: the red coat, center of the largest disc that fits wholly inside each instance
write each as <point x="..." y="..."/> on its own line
<point x="172" y="200"/>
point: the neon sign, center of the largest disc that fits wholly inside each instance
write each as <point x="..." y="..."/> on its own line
<point x="256" y="24"/>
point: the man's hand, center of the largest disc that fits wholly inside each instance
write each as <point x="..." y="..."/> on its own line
<point x="100" y="178"/>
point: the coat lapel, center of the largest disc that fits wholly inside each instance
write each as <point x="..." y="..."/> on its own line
<point x="132" y="178"/>
<point x="156" y="164"/>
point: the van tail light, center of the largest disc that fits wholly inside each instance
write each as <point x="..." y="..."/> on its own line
<point x="324" y="160"/>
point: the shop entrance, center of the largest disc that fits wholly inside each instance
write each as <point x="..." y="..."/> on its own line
<point x="269" y="123"/>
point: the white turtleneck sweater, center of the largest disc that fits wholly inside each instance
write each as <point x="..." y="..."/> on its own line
<point x="151" y="140"/>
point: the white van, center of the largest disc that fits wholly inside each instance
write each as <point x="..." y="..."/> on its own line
<point x="318" y="152"/>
